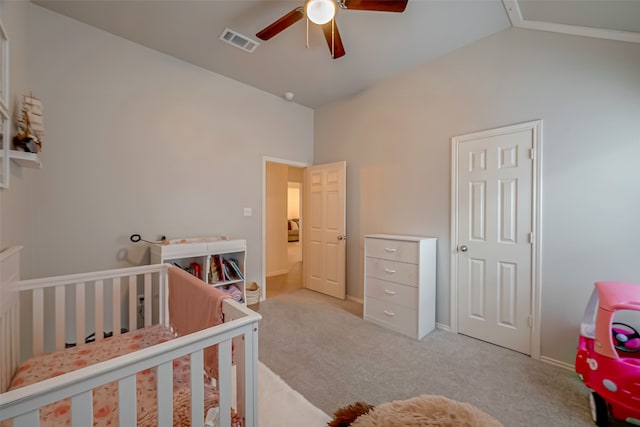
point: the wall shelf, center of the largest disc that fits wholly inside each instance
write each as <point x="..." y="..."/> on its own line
<point x="24" y="159"/>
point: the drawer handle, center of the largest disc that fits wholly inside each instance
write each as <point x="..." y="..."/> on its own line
<point x="389" y="313"/>
<point x="390" y="250"/>
<point x="390" y="271"/>
<point x="388" y="292"/>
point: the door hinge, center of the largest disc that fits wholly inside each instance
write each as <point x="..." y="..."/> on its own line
<point x="532" y="153"/>
<point x="530" y="322"/>
<point x="530" y="237"/>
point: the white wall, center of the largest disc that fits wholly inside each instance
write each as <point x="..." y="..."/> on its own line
<point x="395" y="138"/>
<point x="17" y="203"/>
<point x="140" y="142"/>
<point x="293" y="200"/>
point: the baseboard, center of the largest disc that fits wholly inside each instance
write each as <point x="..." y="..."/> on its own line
<point x="558" y="363"/>
<point x="550" y="361"/>
<point x="277" y="273"/>
<point x="355" y="299"/>
<point x="443" y="327"/>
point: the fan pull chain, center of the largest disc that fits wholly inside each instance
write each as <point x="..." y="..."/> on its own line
<point x="307" y="33"/>
<point x="333" y="39"/>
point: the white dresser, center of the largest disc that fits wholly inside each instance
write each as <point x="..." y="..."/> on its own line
<point x="400" y="283"/>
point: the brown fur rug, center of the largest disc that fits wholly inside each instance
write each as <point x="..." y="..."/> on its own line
<point x="421" y="411"/>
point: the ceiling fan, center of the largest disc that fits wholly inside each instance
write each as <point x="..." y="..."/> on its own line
<point x="322" y="13"/>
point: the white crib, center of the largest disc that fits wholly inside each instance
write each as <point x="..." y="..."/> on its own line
<point x="59" y="316"/>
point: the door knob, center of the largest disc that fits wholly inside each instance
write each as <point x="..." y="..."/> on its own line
<point x="463" y="248"/>
<point x="343" y="237"/>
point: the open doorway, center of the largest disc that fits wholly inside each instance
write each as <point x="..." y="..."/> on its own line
<point x="283" y="228"/>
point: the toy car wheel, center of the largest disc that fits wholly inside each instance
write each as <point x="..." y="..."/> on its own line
<point x="599" y="410"/>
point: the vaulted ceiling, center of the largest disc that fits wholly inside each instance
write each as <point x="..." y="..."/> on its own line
<point x="377" y="44"/>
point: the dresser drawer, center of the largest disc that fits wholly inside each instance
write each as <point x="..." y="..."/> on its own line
<point x="382" y="290"/>
<point x="395" y="316"/>
<point x="393" y="271"/>
<point x="394" y="250"/>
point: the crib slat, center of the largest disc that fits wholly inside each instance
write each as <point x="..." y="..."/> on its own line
<point x="30" y="419"/>
<point x="38" y="321"/>
<point x="148" y="302"/>
<point x="15" y="341"/>
<point x="242" y="352"/>
<point x="80" y="303"/>
<point x="133" y="303"/>
<point x="14" y="325"/>
<point x="165" y="394"/>
<point x="60" y="305"/>
<point x="197" y="389"/>
<point x="224" y="381"/>
<point x="82" y="409"/>
<point x="127" y="401"/>
<point x="6" y="362"/>
<point x="99" y="309"/>
<point x="164" y="302"/>
<point x="250" y="368"/>
<point x="115" y="303"/>
<point x="8" y="325"/>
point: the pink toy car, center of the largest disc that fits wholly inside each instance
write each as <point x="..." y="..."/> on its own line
<point x="608" y="358"/>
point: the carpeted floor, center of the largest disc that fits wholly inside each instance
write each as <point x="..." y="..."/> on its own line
<point x="334" y="358"/>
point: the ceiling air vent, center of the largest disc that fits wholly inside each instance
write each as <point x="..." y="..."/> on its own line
<point x="238" y="40"/>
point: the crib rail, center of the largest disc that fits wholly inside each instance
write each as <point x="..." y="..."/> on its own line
<point x="62" y="306"/>
<point x="9" y="314"/>
<point x="23" y="404"/>
<point x="73" y="297"/>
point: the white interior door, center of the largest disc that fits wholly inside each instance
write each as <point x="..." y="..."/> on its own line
<point x="325" y="229"/>
<point x="495" y="221"/>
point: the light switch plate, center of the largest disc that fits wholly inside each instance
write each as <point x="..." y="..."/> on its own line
<point x="247" y="212"/>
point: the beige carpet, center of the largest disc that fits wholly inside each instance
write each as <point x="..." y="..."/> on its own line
<point x="334" y="358"/>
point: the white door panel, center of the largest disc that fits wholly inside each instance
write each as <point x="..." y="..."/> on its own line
<point x="325" y="259"/>
<point x="494" y="223"/>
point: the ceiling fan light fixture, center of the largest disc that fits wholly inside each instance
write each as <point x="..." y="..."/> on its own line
<point x="320" y="11"/>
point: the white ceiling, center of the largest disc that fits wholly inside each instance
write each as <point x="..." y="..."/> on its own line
<point x="377" y="44"/>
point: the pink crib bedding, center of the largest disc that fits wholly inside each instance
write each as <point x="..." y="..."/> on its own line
<point x="105" y="398"/>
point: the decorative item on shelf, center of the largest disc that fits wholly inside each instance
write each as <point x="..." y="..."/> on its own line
<point x="196" y="269"/>
<point x="30" y="125"/>
<point x="135" y="238"/>
<point x="253" y="293"/>
<point x="194" y="240"/>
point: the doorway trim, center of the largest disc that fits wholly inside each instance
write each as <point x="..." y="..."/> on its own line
<point x="265" y="160"/>
<point x="536" y="220"/>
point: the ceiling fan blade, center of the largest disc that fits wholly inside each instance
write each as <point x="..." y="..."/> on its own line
<point x="335" y="42"/>
<point x="281" y="24"/>
<point x="376" y="5"/>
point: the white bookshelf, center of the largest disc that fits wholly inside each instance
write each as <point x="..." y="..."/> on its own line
<point x="203" y="252"/>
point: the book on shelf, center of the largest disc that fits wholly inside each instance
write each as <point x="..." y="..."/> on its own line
<point x="216" y="269"/>
<point x="227" y="270"/>
<point x="213" y="271"/>
<point x="234" y="264"/>
<point x="231" y="269"/>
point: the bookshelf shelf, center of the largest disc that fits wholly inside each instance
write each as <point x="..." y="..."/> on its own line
<point x="201" y="256"/>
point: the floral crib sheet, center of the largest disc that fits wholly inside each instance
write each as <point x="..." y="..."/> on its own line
<point x="105" y="398"/>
